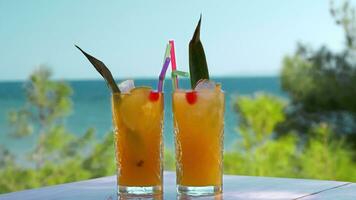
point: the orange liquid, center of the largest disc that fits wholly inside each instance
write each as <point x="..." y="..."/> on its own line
<point x="199" y="138"/>
<point x="138" y="138"/>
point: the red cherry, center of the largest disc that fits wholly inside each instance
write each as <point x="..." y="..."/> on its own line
<point x="191" y="97"/>
<point x="154" y="96"/>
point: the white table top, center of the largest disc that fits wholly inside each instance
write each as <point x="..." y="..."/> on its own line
<point x="235" y="187"/>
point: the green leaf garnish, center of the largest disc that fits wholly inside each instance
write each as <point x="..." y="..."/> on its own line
<point x="103" y="70"/>
<point x="198" y="66"/>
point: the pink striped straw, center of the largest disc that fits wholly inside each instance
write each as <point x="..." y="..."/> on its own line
<point x="173" y="61"/>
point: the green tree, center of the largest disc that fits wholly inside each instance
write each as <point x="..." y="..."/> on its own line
<point x="101" y="161"/>
<point x="324" y="154"/>
<point x="47" y="105"/>
<point x="6" y="157"/>
<point x="257" y="153"/>
<point x="345" y="17"/>
<point x="321" y="84"/>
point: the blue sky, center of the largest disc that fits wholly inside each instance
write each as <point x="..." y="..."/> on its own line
<point x="241" y="38"/>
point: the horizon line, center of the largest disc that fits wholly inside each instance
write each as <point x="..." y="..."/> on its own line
<point x="142" y="78"/>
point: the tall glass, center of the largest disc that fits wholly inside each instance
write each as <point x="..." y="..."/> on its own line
<point x="138" y="125"/>
<point x="199" y="130"/>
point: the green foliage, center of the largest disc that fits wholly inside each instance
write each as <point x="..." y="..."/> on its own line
<point x="253" y="123"/>
<point x="6" y="157"/>
<point x="49" y="101"/>
<point x="19" y="122"/>
<point x="101" y="161"/>
<point x="321" y="84"/>
<point x="59" y="156"/>
<point x="15" y="178"/>
<point x="67" y="171"/>
<point x="64" y="166"/>
<point x="57" y="149"/>
<point x="325" y="80"/>
<point x="56" y="138"/>
<point x="318" y="123"/>
<point x="345" y="17"/>
<point x="259" y="153"/>
<point x="78" y="146"/>
<point x="324" y="154"/>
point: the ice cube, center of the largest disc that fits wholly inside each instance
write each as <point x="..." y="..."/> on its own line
<point x="126" y="86"/>
<point x="205" y="84"/>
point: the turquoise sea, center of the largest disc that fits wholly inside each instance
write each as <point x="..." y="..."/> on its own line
<point x="91" y="106"/>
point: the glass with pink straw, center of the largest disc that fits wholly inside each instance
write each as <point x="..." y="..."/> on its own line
<point x="137" y="115"/>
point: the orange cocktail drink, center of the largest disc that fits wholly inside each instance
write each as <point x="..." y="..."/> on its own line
<point x="138" y="121"/>
<point x="137" y="115"/>
<point x="199" y="127"/>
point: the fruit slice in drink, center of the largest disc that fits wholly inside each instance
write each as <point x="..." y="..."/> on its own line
<point x="138" y="118"/>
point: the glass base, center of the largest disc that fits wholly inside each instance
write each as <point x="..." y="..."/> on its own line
<point x="150" y="190"/>
<point x="199" y="191"/>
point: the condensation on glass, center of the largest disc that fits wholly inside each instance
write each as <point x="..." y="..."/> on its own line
<point x="138" y="126"/>
<point x="199" y="131"/>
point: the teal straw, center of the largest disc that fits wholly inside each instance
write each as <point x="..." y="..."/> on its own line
<point x="180" y="73"/>
<point x="177" y="73"/>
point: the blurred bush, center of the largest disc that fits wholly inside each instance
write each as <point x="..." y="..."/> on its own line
<point x="260" y="153"/>
<point x="314" y="134"/>
<point x="322" y="84"/>
<point x="59" y="156"/>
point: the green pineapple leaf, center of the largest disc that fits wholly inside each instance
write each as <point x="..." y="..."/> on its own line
<point x="103" y="70"/>
<point x="198" y="66"/>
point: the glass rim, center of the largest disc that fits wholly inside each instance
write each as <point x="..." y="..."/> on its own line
<point x="121" y="94"/>
<point x="197" y="91"/>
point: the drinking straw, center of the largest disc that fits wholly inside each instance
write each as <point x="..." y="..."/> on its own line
<point x="177" y="73"/>
<point x="162" y="75"/>
<point x="180" y="73"/>
<point x="174" y="65"/>
<point x="167" y="53"/>
<point x="174" y="78"/>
